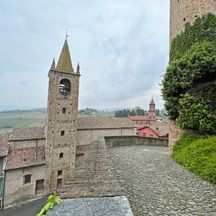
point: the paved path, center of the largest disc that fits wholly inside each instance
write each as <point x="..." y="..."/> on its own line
<point x="155" y="185"/>
<point x="27" y="209"/>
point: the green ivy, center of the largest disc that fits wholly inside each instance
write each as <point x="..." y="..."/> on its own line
<point x="193" y="62"/>
<point x="51" y="201"/>
<point x="203" y="29"/>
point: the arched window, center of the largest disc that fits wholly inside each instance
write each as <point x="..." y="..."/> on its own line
<point x="65" y="86"/>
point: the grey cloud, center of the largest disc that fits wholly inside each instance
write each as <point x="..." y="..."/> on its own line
<point x="122" y="47"/>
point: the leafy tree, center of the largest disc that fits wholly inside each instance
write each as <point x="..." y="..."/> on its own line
<point x="195" y="114"/>
<point x="197" y="65"/>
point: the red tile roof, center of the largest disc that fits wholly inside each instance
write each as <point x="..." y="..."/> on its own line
<point x="4" y="138"/>
<point x="25" y="157"/>
<point x="155" y="131"/>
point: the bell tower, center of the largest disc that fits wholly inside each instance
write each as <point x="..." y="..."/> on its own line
<point x="61" y="126"/>
<point x="152" y="111"/>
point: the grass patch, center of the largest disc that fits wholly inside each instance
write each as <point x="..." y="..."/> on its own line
<point x="198" y="154"/>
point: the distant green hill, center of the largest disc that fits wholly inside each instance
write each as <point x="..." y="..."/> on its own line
<point x="21" y="118"/>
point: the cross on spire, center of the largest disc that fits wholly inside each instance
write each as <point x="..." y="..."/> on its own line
<point x="66" y="34"/>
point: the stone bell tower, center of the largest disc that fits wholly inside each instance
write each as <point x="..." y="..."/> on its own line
<point x="61" y="126"/>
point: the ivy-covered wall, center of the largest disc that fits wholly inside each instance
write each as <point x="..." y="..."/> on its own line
<point x="192" y="64"/>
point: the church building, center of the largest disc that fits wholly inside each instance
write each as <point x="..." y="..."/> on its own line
<point x="149" y="119"/>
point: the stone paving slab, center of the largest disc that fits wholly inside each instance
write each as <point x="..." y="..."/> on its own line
<point x="156" y="185"/>
<point x="105" y="206"/>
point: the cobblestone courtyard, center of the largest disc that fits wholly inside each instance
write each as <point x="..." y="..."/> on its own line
<point x="155" y="185"/>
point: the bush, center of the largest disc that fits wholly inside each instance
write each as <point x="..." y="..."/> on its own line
<point x="197" y="154"/>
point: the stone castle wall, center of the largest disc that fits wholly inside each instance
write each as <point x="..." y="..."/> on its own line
<point x="183" y="11"/>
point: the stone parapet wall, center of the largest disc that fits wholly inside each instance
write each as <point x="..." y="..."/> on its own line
<point x="88" y="136"/>
<point x="115" y="141"/>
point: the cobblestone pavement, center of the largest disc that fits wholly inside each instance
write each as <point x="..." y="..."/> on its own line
<point x="156" y="185"/>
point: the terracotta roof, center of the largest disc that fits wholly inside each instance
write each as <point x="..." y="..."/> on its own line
<point x="27" y="133"/>
<point x="147" y="126"/>
<point x="4" y="138"/>
<point x="25" y="157"/>
<point x="161" y="128"/>
<point x="103" y="123"/>
<point x="138" y="118"/>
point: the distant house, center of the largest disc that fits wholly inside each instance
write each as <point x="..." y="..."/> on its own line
<point x="155" y="132"/>
<point x="147" y="132"/>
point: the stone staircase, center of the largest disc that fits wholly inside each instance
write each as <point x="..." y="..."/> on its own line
<point x="94" y="175"/>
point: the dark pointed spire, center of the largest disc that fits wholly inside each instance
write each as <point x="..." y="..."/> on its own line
<point x="64" y="62"/>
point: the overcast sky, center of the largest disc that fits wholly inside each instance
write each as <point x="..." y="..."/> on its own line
<point x="122" y="47"/>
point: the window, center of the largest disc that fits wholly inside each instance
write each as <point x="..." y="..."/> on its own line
<point x="59" y="172"/>
<point x="63" y="110"/>
<point x="62" y="133"/>
<point x="59" y="182"/>
<point x="61" y="155"/>
<point x="65" y="86"/>
<point x="27" y="179"/>
<point x="184" y="19"/>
